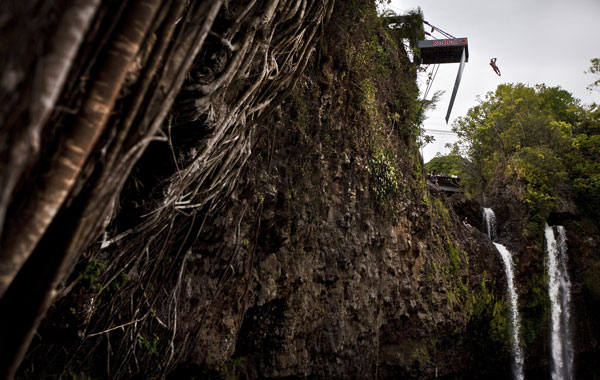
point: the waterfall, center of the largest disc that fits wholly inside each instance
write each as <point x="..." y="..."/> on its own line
<point x="565" y="303"/>
<point x="490" y="222"/>
<point x="514" y="312"/>
<point x="559" y="289"/>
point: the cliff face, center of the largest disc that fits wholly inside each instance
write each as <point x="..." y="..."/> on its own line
<point x="584" y="255"/>
<point x="326" y="258"/>
<point x="310" y="273"/>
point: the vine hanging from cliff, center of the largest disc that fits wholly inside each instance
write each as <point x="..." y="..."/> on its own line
<point x="94" y="83"/>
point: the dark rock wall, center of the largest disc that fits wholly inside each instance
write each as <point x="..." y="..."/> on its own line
<point x="339" y="287"/>
<point x="307" y="275"/>
<point x="583" y="242"/>
<point x="329" y="259"/>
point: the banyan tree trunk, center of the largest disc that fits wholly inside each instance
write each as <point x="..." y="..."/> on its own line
<point x="85" y="87"/>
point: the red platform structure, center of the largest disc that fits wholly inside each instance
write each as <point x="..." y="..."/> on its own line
<point x="451" y="50"/>
<point x="443" y="51"/>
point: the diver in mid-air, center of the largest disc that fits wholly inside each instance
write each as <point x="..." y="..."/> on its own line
<point x="493" y="64"/>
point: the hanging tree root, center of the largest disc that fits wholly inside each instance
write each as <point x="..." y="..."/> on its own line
<point x="218" y="69"/>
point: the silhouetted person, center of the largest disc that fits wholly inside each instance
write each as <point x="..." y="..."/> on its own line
<point x="493" y="64"/>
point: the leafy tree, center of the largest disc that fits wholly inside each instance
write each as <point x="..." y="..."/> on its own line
<point x="541" y="171"/>
<point x="449" y="164"/>
<point x="583" y="161"/>
<point x="594" y="70"/>
<point x="536" y="135"/>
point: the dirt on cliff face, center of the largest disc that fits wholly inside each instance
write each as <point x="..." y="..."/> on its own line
<point x="328" y="259"/>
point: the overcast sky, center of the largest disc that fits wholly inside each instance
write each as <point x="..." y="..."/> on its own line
<point x="534" y="41"/>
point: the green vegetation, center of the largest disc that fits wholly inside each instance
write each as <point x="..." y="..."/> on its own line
<point x="91" y="279"/>
<point x="543" y="144"/>
<point x="492" y="311"/>
<point x="591" y="277"/>
<point x="380" y="82"/>
<point x="488" y="312"/>
<point x="420" y="355"/>
<point x="540" y="137"/>
<point x="454" y="255"/>
<point x="449" y="165"/>
<point x="453" y="264"/>
<point x="409" y="26"/>
<point x="384" y="174"/>
<point x="91" y="273"/>
<point x="499" y="330"/>
<point x="149" y="345"/>
<point x="595" y="71"/>
<point x="536" y="308"/>
<point x="78" y="376"/>
<point x="584" y="163"/>
<point x="107" y="292"/>
<point x="438" y="208"/>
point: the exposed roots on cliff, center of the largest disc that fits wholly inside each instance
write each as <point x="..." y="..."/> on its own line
<point x="225" y="66"/>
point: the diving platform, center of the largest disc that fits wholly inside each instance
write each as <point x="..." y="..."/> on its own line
<point x="450" y="50"/>
<point x="443" y="51"/>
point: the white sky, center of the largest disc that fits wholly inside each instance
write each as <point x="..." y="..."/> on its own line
<point x="535" y="41"/>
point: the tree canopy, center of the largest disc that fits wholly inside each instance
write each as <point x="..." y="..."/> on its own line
<point x="450" y="164"/>
<point x="540" y="136"/>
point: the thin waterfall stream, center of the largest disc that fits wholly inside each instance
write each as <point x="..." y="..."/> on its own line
<point x="490" y="220"/>
<point x="559" y="289"/>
